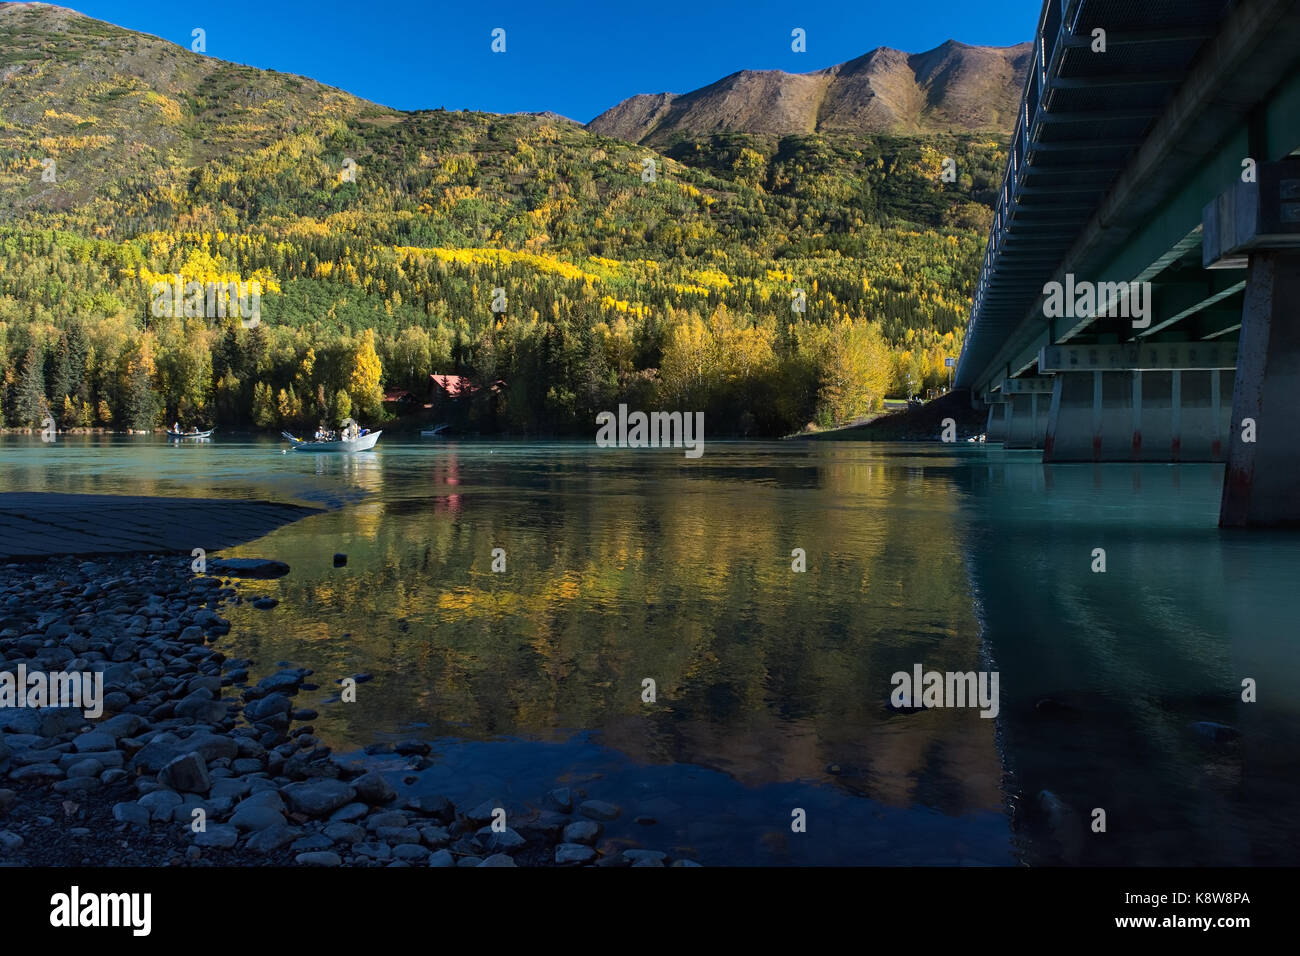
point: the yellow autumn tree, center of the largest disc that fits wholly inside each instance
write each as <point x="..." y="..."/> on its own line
<point x="686" y="370"/>
<point x="856" y="371"/>
<point x="367" y="373"/>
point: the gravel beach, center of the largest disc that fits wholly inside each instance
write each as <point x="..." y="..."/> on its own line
<point x="191" y="764"/>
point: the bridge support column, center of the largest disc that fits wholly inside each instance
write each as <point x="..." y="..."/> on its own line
<point x="1026" y="421"/>
<point x="996" y="429"/>
<point x="1027" y="401"/>
<point x="1262" y="482"/>
<point x="1138" y="415"/>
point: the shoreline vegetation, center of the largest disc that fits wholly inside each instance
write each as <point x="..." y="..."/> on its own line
<point x="902" y="423"/>
<point x="186" y="729"/>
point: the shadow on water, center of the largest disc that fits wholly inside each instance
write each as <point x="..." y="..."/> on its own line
<point x="1122" y="690"/>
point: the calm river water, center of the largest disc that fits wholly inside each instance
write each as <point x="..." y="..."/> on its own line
<point x="772" y="687"/>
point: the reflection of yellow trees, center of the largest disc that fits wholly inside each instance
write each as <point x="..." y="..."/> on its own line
<point x="685" y="579"/>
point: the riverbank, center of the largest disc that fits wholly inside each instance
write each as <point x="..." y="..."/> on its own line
<point x="191" y="763"/>
<point x="44" y="524"/>
<point x="923" y="423"/>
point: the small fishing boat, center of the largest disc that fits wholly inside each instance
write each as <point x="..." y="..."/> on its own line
<point x="184" y="435"/>
<point x="351" y="438"/>
<point x="433" y="432"/>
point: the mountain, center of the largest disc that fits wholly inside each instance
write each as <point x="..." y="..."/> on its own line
<point x="952" y="88"/>
<point x="765" y="277"/>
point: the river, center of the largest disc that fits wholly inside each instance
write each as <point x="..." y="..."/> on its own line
<point x="1120" y="690"/>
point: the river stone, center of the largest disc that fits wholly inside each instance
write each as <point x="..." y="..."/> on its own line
<point x="272" y="838"/>
<point x="411" y="852"/>
<point x="483" y="812"/>
<point x="506" y="841"/>
<point x="131" y="813"/>
<point x="123" y="725"/>
<point x="285" y="680"/>
<point x="37" y="771"/>
<point x="269" y="799"/>
<point x="319" y="858"/>
<point x="230" y="787"/>
<point x="345" y="832"/>
<point x="93" y="741"/>
<point x="269" y="706"/>
<point x="247" y="567"/>
<point x="160" y="804"/>
<point x="442" y="858"/>
<point x="583" y="831"/>
<point x="90" y="767"/>
<point x="433" y="805"/>
<point x="498" y="859"/>
<point x="386" y="818"/>
<point x="152" y="757"/>
<point x="349" y="813"/>
<point x="435" y="837"/>
<point x="318" y="798"/>
<point x="209" y="682"/>
<point x="209" y="746"/>
<point x="202" y="710"/>
<point x="645" y="857"/>
<point x="560" y="799"/>
<point x="255" y="818"/>
<point x="373" y="851"/>
<point x="573" y="853"/>
<point x="22" y="720"/>
<point x="187" y="773"/>
<point x="60" y="720"/>
<point x="599" y="810"/>
<point x="220" y="835"/>
<point x="10" y="841"/>
<point x="373" y="788"/>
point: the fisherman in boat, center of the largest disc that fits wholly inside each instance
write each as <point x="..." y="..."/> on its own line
<point x="176" y="427"/>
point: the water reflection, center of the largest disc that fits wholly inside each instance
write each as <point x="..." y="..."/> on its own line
<point x="772" y="686"/>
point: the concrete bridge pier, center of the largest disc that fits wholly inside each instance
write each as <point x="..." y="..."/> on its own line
<point x="1261" y="486"/>
<point x="1027" y="402"/>
<point x="996" y="428"/>
<point x="1154" y="415"/>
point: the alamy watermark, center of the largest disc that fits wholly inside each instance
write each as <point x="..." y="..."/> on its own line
<point x="950" y="689"/>
<point x="653" y="430"/>
<point x="1086" y="300"/>
<point x="75" y="909"/>
<point x="211" y="300"/>
<point x="83" y="690"/>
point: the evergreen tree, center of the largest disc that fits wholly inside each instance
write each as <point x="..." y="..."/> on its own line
<point x="141" y="401"/>
<point x="30" y="402"/>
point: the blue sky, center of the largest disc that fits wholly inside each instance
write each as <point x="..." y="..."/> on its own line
<point x="576" y="58"/>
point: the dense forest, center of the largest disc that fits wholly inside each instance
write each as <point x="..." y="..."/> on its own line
<point x="771" y="282"/>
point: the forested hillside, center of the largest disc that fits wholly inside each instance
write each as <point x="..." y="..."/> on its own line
<point x="768" y="280"/>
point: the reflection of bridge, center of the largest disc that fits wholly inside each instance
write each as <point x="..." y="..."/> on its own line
<point x="1155" y="175"/>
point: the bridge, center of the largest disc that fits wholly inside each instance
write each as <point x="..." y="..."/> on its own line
<point x="1139" y="298"/>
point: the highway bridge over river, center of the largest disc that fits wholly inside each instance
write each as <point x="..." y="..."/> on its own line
<point x="1140" y="294"/>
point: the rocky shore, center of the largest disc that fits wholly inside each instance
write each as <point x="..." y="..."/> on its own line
<point x="190" y="763"/>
